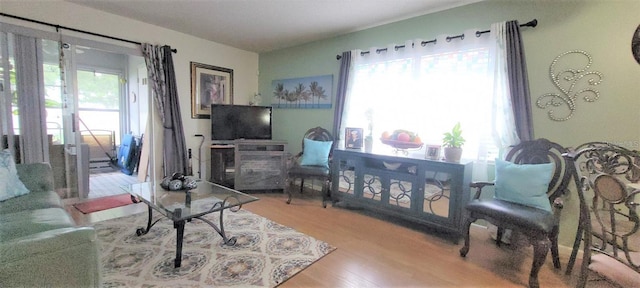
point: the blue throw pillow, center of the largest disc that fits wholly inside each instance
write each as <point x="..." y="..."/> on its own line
<point x="525" y="184"/>
<point x="10" y="184"/>
<point x="316" y="153"/>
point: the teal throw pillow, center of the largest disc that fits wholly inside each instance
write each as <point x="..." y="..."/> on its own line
<point x="316" y="153"/>
<point x="10" y="184"/>
<point x="525" y="184"/>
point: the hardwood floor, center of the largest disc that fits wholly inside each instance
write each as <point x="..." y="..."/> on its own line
<point x="378" y="253"/>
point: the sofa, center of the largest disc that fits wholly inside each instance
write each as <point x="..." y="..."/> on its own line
<point x="40" y="244"/>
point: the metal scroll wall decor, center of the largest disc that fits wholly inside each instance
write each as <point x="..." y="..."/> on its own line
<point x="572" y="83"/>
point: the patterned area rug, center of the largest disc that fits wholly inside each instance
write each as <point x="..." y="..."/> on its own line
<point x="265" y="255"/>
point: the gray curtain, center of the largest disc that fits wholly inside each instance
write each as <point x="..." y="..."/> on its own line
<point x="519" y="82"/>
<point x="341" y="94"/>
<point x="163" y="80"/>
<point x="34" y="145"/>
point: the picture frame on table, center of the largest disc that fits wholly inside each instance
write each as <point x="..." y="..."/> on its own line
<point x="353" y="138"/>
<point x="209" y="85"/>
<point x="432" y="152"/>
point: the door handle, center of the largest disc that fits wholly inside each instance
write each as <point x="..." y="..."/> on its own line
<point x="74" y="122"/>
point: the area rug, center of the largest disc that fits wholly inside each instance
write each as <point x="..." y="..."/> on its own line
<point x="265" y="255"/>
<point x="104" y="203"/>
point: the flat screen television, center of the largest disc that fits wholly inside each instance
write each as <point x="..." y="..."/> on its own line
<point x="231" y="122"/>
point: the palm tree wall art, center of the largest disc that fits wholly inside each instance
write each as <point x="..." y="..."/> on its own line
<point x="304" y="93"/>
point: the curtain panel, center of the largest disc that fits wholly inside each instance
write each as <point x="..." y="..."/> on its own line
<point x="159" y="61"/>
<point x="341" y="94"/>
<point x="504" y="132"/>
<point x="34" y="143"/>
<point x="518" y="81"/>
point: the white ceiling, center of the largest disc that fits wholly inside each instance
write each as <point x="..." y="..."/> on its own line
<point x="265" y="25"/>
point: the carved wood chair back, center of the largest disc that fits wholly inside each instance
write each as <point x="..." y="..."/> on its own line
<point x="544" y="151"/>
<point x="317" y="134"/>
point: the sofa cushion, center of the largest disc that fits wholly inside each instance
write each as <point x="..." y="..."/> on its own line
<point x="27" y="222"/>
<point x="36" y="176"/>
<point x="31" y="201"/>
<point x="10" y="184"/>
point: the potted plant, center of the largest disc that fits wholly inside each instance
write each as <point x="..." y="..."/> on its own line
<point x="453" y="142"/>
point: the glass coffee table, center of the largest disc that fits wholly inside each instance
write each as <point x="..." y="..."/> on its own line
<point x="185" y="205"/>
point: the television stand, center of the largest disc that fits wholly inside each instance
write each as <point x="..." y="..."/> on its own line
<point x="257" y="164"/>
<point x="222" y="164"/>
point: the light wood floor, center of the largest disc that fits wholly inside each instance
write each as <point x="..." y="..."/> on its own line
<point x="377" y="253"/>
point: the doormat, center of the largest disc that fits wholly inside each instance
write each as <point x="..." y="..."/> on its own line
<point x="104" y="203"/>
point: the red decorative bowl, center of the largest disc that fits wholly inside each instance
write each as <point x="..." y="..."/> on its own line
<point x="401" y="144"/>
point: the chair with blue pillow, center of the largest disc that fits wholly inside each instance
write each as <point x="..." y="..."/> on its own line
<point x="528" y="186"/>
<point x="312" y="163"/>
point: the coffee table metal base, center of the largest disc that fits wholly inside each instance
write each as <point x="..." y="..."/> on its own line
<point x="179" y="226"/>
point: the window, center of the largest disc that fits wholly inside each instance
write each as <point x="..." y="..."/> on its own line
<point x="99" y="101"/>
<point x="427" y="90"/>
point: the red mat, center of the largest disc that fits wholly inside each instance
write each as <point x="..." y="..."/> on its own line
<point x="104" y="203"/>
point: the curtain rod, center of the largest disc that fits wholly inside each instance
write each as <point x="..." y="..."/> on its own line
<point x="532" y="23"/>
<point x="58" y="27"/>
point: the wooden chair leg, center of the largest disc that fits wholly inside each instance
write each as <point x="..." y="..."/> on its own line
<point x="325" y="192"/>
<point x="499" y="235"/>
<point x="289" y="182"/>
<point x="555" y="255"/>
<point x="465" y="233"/>
<point x="540" y="251"/>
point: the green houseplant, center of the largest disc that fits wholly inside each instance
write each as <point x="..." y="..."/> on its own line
<point x="453" y="142"/>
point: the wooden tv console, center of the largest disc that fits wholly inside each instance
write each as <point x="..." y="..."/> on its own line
<point x="257" y="164"/>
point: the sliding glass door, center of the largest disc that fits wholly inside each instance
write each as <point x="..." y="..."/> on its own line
<point x="73" y="95"/>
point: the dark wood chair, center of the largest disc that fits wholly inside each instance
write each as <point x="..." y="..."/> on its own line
<point x="538" y="225"/>
<point x="312" y="172"/>
<point x="607" y="179"/>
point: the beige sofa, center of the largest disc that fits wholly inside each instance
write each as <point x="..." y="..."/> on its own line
<point x="40" y="244"/>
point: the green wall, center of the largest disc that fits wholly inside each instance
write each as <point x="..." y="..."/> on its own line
<point x="602" y="28"/>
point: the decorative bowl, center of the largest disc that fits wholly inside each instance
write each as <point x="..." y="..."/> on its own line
<point x="391" y="165"/>
<point x="401" y="144"/>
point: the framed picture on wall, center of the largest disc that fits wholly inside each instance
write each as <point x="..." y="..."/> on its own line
<point x="353" y="138"/>
<point x="209" y="85"/>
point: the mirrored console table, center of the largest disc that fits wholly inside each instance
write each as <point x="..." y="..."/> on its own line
<point x="428" y="192"/>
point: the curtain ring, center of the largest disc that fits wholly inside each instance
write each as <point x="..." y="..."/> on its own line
<point x="448" y="39"/>
<point x="462" y="37"/>
<point x="478" y="33"/>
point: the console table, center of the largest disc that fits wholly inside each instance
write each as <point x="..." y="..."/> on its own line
<point x="428" y="192"/>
